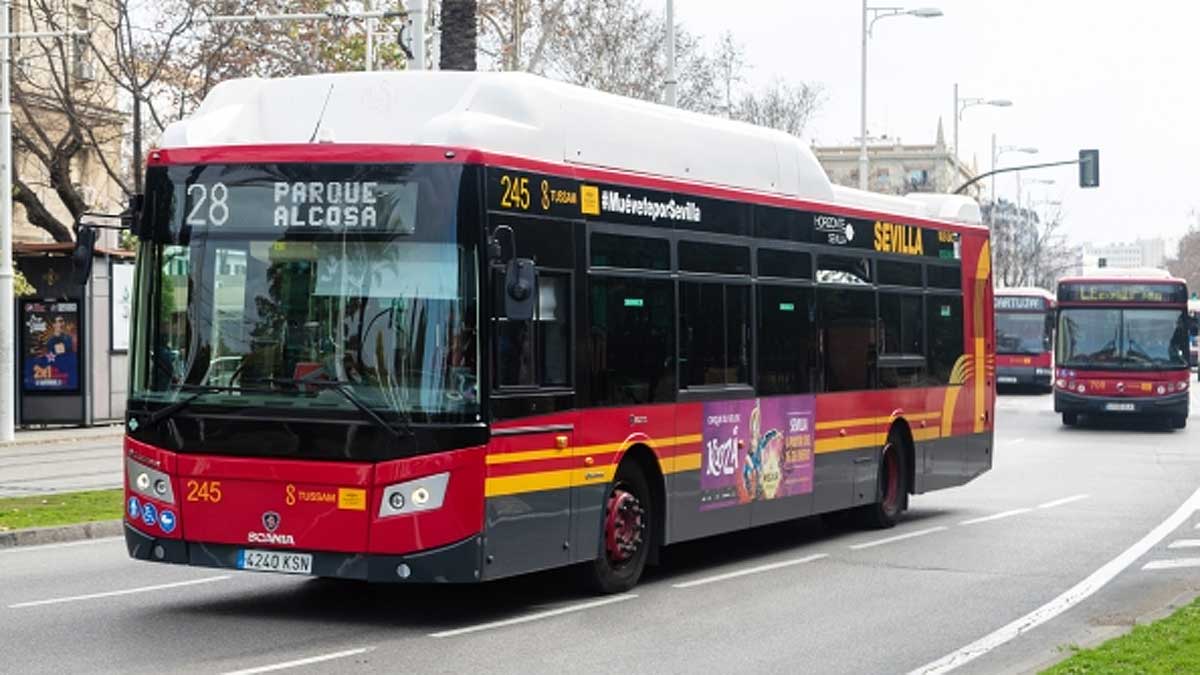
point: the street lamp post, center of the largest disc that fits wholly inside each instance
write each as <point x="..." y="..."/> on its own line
<point x="1000" y="150"/>
<point x="869" y="16"/>
<point x="961" y="104"/>
<point x="672" y="85"/>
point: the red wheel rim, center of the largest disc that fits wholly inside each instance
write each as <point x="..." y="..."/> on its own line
<point x="624" y="525"/>
<point x="891" y="480"/>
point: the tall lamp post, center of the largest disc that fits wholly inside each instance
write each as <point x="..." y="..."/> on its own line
<point x="869" y="16"/>
<point x="961" y="104"/>
<point x="998" y="150"/>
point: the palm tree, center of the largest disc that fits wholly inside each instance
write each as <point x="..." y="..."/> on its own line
<point x="459" y="25"/>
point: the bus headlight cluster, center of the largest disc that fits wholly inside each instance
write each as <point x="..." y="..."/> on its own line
<point x="149" y="482"/>
<point x="414" y="496"/>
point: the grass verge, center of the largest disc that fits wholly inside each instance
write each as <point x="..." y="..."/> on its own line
<point x="67" y="508"/>
<point x="1170" y="645"/>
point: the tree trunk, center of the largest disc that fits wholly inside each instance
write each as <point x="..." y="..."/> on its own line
<point x="459" y="26"/>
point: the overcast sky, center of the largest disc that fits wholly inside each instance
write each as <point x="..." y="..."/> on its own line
<point x="1121" y="77"/>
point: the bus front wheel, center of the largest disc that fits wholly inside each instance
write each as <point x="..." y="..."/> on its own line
<point x="1070" y="419"/>
<point x="1179" y="422"/>
<point x="625" y="533"/>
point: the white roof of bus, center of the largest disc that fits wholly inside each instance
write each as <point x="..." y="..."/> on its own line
<point x="1025" y="291"/>
<point x="535" y="118"/>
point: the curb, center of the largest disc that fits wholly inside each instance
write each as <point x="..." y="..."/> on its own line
<point x="116" y="432"/>
<point x="56" y="535"/>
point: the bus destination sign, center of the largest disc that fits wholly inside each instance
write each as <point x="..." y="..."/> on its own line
<point x="1119" y="292"/>
<point x="1018" y="303"/>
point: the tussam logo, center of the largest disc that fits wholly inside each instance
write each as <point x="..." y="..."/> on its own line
<point x="614" y="202"/>
<point x="838" y="230"/>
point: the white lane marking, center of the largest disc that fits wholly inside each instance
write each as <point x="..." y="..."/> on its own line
<point x="752" y="570"/>
<point x="1185" y="543"/>
<point x="1060" y="502"/>
<point x="899" y="537"/>
<point x="533" y="617"/>
<point x="1175" y="564"/>
<point x="65" y="544"/>
<point x="127" y="591"/>
<point x="1015" y="441"/>
<point x="995" y="516"/>
<point x="1068" y="599"/>
<point x="301" y="662"/>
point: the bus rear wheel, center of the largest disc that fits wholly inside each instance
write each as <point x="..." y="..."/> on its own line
<point x="893" y="488"/>
<point x="626" y="533"/>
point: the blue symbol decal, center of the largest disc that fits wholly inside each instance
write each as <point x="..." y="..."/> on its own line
<point x="149" y="514"/>
<point x="135" y="509"/>
<point x="166" y="520"/>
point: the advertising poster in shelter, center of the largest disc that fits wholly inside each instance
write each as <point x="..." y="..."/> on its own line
<point x="122" y="305"/>
<point x="756" y="449"/>
<point x="50" y="346"/>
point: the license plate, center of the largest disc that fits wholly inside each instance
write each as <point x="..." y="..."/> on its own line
<point x="1120" y="407"/>
<point x="275" y="561"/>
<point x="1006" y="379"/>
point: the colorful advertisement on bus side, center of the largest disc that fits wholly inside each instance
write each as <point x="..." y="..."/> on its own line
<point x="756" y="449"/>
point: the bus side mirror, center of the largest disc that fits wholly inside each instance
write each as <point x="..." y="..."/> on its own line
<point x="131" y="219"/>
<point x="520" y="282"/>
<point x="81" y="257"/>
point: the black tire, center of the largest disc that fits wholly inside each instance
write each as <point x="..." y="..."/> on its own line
<point x="1179" y="422"/>
<point x="893" y="488"/>
<point x="1070" y="419"/>
<point x="615" y="569"/>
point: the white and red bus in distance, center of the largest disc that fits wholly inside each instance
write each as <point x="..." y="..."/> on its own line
<point x="1025" y="337"/>
<point x="1194" y="330"/>
<point x="1122" y="346"/>
<point x="453" y="327"/>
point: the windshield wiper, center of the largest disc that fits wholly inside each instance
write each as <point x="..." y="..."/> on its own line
<point x="197" y="390"/>
<point x="341" y="388"/>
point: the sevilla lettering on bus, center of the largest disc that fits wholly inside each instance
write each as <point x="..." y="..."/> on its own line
<point x="334" y="204"/>
<point x="896" y="238"/>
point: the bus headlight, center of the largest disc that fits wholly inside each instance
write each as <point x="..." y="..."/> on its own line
<point x="414" y="496"/>
<point x="149" y="482"/>
<point x="1081" y="389"/>
<point x="1161" y="390"/>
<point x="1181" y="385"/>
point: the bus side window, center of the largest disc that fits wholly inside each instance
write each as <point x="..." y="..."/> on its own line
<point x="536" y="352"/>
<point x="944" y="314"/>
<point x="849" y="340"/>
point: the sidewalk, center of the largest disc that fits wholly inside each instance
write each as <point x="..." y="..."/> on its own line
<point x="45" y="461"/>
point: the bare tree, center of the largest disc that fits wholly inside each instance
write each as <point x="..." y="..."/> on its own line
<point x="780" y="105"/>
<point x="459" y="34"/>
<point x="1027" y="249"/>
<point x="1185" y="264"/>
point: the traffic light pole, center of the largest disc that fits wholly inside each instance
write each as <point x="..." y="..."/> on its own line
<point x="1023" y="167"/>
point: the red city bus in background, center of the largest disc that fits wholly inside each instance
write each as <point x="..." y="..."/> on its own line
<point x="1194" y="330"/>
<point x="1025" y="320"/>
<point x="453" y="327"/>
<point x="1122" y="346"/>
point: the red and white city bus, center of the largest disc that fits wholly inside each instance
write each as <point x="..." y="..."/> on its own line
<point x="452" y="327"/>
<point x="1025" y="337"/>
<point x="1122" y="346"/>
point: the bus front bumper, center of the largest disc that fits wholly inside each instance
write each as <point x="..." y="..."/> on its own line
<point x="456" y="563"/>
<point x="1024" y="376"/>
<point x="1170" y="405"/>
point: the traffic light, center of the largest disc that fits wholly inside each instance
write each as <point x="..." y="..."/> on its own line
<point x="1089" y="168"/>
<point x="1102" y="262"/>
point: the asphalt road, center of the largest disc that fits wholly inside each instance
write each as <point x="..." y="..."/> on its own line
<point x="1075" y="534"/>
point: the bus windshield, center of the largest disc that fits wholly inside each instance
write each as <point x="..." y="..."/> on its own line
<point x="1022" y="333"/>
<point x="1123" y="338"/>
<point x="258" y="313"/>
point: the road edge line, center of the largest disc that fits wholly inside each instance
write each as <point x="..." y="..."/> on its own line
<point x="1066" y="600"/>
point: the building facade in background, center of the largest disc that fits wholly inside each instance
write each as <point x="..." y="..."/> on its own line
<point x="1151" y="253"/>
<point x="896" y="168"/>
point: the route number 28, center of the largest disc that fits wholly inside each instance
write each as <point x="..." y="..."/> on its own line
<point x="215" y="197"/>
<point x="204" y="491"/>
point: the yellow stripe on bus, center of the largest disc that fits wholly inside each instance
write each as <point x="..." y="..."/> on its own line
<point x="583" y="451"/>
<point x="498" y="486"/>
<point x="855" y="442"/>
